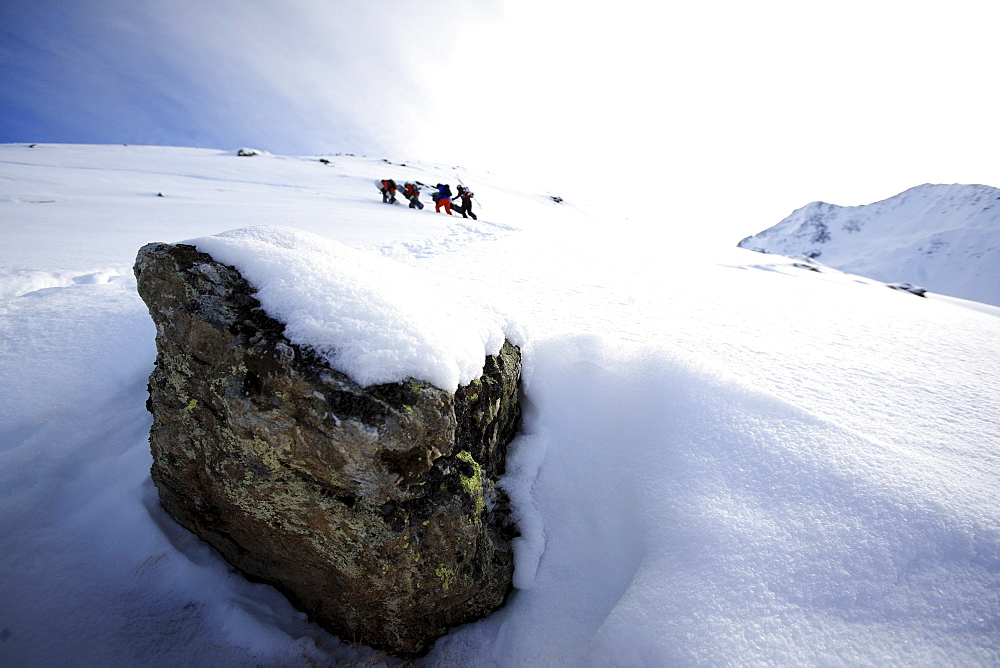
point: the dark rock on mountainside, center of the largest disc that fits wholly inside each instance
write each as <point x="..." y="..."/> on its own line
<point x="374" y="509"/>
<point x="909" y="287"/>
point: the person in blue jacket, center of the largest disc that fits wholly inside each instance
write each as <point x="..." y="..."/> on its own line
<point x="443" y="198"/>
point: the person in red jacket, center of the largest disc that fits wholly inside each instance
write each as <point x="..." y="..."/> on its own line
<point x="465" y="206"/>
<point x="388" y="188"/>
<point x="412" y="193"/>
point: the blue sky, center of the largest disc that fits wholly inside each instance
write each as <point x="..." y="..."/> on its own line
<point x="275" y="75"/>
<point x="712" y="119"/>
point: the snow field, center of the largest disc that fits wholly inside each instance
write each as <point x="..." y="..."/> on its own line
<point x="726" y="459"/>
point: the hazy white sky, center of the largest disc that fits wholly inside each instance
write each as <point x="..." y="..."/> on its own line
<point x="712" y="118"/>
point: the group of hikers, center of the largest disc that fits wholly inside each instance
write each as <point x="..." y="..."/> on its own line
<point x="442" y="197"/>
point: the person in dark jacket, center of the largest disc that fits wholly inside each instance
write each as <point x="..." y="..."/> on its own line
<point x="465" y="204"/>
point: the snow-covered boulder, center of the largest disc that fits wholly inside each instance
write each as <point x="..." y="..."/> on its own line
<point x="945" y="238"/>
<point x="373" y="508"/>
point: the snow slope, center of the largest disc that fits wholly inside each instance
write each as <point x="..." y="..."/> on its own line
<point x="945" y="238"/>
<point x="726" y="458"/>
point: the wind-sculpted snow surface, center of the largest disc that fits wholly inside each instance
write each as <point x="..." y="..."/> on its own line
<point x="707" y="524"/>
<point x="945" y="238"/>
<point x="725" y="460"/>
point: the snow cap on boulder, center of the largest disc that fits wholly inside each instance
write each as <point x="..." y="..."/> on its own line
<point x="374" y="319"/>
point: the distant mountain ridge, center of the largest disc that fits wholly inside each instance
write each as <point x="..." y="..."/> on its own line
<point x="945" y="238"/>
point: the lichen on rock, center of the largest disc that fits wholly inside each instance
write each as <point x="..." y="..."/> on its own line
<point x="374" y="509"/>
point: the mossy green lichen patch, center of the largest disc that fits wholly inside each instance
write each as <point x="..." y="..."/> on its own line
<point x="446" y="574"/>
<point x="473" y="484"/>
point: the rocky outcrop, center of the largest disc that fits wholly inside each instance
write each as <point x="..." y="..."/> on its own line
<point x="374" y="509"/>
